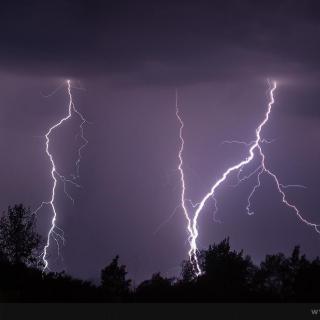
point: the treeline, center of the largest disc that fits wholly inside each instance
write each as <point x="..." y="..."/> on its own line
<point x="228" y="275"/>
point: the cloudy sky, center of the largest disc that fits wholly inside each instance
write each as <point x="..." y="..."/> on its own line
<point x="125" y="60"/>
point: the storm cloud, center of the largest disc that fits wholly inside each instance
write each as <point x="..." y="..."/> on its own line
<point x="160" y="42"/>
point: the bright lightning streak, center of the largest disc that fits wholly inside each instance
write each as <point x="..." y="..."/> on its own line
<point x="193" y="258"/>
<point x="255" y="148"/>
<point x="280" y="188"/>
<point x="256" y="186"/>
<point x="55" y="232"/>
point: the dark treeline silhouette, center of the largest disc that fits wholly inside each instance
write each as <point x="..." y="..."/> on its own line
<point x="228" y="275"/>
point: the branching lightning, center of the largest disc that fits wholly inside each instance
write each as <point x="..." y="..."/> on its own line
<point x="255" y="150"/>
<point x="55" y="233"/>
<point x="182" y="180"/>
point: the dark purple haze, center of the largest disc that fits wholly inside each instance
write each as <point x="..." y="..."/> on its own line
<point x="130" y="56"/>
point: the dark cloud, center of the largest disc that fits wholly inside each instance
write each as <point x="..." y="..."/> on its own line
<point x="157" y="42"/>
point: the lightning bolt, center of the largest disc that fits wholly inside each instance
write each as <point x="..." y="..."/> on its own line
<point x="183" y="184"/>
<point x="255" y="150"/>
<point x="55" y="233"/>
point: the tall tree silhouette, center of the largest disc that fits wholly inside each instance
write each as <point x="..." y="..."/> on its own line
<point x="283" y="277"/>
<point x="19" y="241"/>
<point x="226" y="272"/>
<point x="187" y="271"/>
<point x="113" y="280"/>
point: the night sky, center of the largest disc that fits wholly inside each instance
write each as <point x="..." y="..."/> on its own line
<point x="125" y="60"/>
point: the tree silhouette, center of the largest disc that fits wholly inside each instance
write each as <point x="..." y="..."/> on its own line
<point x="307" y="281"/>
<point x="187" y="271"/>
<point x="227" y="274"/>
<point x="282" y="277"/>
<point x="19" y="241"/>
<point x="113" y="280"/>
<point x="157" y="287"/>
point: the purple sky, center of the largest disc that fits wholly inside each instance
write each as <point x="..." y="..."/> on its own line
<point x="130" y="57"/>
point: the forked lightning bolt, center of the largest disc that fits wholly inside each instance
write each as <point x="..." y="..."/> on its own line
<point x="255" y="150"/>
<point x="55" y="233"/>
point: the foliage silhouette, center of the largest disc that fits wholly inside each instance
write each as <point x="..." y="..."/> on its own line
<point x="155" y="289"/>
<point x="113" y="280"/>
<point x="19" y="241"/>
<point x="228" y="275"/>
